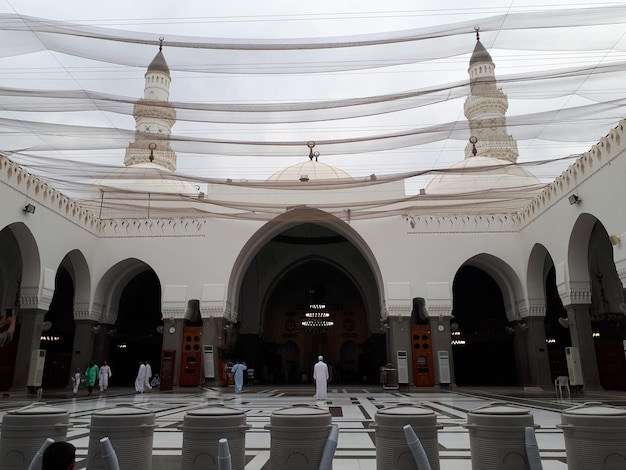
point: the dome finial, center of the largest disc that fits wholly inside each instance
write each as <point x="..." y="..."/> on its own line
<point x="161" y="39"/>
<point x="473" y="141"/>
<point x="477" y="29"/>
<point x="312" y="154"/>
<point x="152" y="146"/>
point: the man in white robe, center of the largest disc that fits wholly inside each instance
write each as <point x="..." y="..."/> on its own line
<point x="146" y="384"/>
<point x="141" y="378"/>
<point x="320" y="377"/>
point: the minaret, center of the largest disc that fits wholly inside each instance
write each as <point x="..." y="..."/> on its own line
<point x="485" y="110"/>
<point x="154" y="117"/>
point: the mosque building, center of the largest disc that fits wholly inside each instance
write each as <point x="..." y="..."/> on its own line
<point x="460" y="285"/>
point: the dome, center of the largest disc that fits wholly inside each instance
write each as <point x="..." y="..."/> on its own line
<point x="311" y="170"/>
<point x="475" y="175"/>
<point x="146" y="177"/>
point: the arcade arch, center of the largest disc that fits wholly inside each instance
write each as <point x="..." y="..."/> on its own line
<point x="309" y="269"/>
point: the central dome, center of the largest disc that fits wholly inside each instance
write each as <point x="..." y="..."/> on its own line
<point x="476" y="174"/>
<point x="309" y="171"/>
<point x="146" y="177"/>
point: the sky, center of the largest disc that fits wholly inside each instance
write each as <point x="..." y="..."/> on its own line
<point x="280" y="19"/>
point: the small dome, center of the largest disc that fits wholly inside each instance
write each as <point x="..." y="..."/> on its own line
<point x="311" y="170"/>
<point x="146" y="177"/>
<point x="159" y="64"/>
<point x="476" y="174"/>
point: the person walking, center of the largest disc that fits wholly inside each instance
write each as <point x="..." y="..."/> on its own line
<point x="91" y="374"/>
<point x="320" y="377"/>
<point x="146" y="384"/>
<point x="105" y="374"/>
<point x="140" y="381"/>
<point x="76" y="379"/>
<point x="238" y="370"/>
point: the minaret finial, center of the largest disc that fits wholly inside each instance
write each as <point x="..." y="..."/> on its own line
<point x="477" y="29"/>
<point x="161" y="39"/>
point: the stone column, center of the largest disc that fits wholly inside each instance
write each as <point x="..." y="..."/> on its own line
<point x="399" y="339"/>
<point x="534" y="338"/>
<point x="439" y="318"/>
<point x="210" y="337"/>
<point x="102" y="343"/>
<point x="172" y="339"/>
<point x="582" y="338"/>
<point x="31" y="321"/>
<point x="83" y="349"/>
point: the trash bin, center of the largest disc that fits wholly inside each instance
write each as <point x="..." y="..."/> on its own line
<point x="23" y="431"/>
<point x="202" y="430"/>
<point x="595" y="436"/>
<point x="392" y="450"/>
<point x="497" y="436"/>
<point x="297" y="437"/>
<point x="130" y="430"/>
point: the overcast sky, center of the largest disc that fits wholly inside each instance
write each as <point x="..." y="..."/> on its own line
<point x="292" y="19"/>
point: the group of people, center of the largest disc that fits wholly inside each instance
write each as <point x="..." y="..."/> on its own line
<point x="144" y="380"/>
<point x="92" y="374"/>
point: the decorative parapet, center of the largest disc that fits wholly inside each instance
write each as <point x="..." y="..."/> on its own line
<point x="151" y="227"/>
<point x="583" y="168"/>
<point x="464" y="223"/>
<point x="45" y="195"/>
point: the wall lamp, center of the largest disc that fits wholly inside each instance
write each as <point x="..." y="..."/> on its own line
<point x="573" y="199"/>
<point x="29" y="208"/>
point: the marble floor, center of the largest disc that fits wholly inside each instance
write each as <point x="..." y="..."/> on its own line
<point x="353" y="409"/>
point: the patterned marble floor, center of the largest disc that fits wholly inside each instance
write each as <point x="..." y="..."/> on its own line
<point x="353" y="410"/>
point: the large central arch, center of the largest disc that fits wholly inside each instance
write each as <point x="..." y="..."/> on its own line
<point x="302" y="267"/>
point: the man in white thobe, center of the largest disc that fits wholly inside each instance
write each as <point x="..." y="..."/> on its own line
<point x="141" y="378"/>
<point x="146" y="384"/>
<point x="320" y="377"/>
<point x="105" y="373"/>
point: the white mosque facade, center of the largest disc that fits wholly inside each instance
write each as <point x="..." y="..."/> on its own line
<point x="445" y="296"/>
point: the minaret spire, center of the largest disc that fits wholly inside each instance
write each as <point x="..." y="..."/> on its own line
<point x="154" y="118"/>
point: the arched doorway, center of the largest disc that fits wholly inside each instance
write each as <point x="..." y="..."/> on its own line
<point x="57" y="337"/>
<point x="482" y="348"/>
<point x="136" y="335"/>
<point x="309" y="286"/>
<point x="607" y="315"/>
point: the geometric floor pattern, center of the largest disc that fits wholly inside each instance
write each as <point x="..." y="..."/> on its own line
<point x="352" y="409"/>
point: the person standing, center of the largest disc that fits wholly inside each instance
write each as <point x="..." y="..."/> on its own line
<point x="320" y="377"/>
<point x="238" y="370"/>
<point x="105" y="374"/>
<point x="91" y="374"/>
<point x="76" y="378"/>
<point x="140" y="381"/>
<point x="146" y="384"/>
